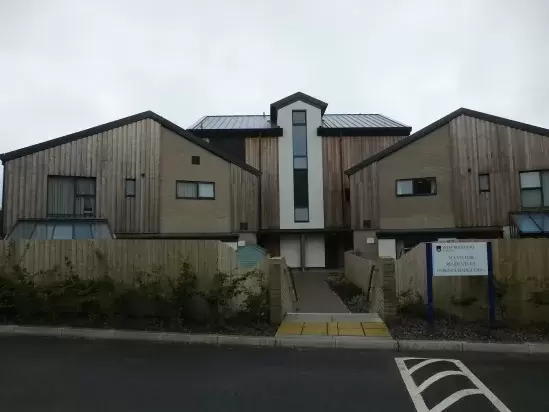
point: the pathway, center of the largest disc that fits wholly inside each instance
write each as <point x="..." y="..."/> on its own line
<point x="314" y="294"/>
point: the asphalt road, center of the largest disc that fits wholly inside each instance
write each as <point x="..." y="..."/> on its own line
<point x="48" y="374"/>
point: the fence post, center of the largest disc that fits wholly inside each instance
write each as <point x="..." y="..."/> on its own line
<point x="275" y="297"/>
<point x="389" y="288"/>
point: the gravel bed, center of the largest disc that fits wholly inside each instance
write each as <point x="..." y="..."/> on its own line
<point x="451" y="329"/>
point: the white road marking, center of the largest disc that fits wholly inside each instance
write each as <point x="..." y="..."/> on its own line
<point x="424" y="363"/>
<point x="453" y="398"/>
<point x="436" y="377"/>
<point x="415" y="391"/>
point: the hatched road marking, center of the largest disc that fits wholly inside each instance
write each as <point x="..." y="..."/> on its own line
<point x="415" y="391"/>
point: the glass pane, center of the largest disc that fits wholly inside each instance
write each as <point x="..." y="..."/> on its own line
<point x="300" y="163"/>
<point x="130" y="187"/>
<point x="526" y="224"/>
<point x="484" y="183"/>
<point x="405" y="187"/>
<point x="22" y="230"/>
<point x="85" y="187"/>
<point x="424" y="186"/>
<point x="187" y="190"/>
<point x="301" y="214"/>
<point x="299" y="117"/>
<point x="85" y="206"/>
<point x="41" y="232"/>
<point x="82" y="231"/>
<point x="531" y="198"/>
<point x="100" y="230"/>
<point x="529" y="180"/>
<point x="206" y="190"/>
<point x="545" y="187"/>
<point x="62" y="231"/>
<point x="60" y="196"/>
<point x="301" y="188"/>
<point x="49" y="230"/>
<point x="299" y="138"/>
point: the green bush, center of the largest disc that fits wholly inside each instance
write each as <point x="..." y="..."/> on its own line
<point x="62" y="295"/>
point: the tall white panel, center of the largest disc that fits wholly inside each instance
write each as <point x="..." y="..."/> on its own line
<point x="290" y="249"/>
<point x="285" y="168"/>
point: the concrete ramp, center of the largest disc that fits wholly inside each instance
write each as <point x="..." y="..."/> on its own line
<point x="363" y="325"/>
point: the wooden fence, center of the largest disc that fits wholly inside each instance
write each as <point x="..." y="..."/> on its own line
<point x="123" y="260"/>
<point x="521" y="270"/>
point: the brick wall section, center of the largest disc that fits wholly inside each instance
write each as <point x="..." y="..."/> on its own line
<point x="282" y="298"/>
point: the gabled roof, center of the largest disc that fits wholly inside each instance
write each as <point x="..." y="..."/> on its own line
<point x="305" y="98"/>
<point x="123" y="122"/>
<point x="441" y="122"/>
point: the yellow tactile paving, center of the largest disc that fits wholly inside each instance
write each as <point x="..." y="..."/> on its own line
<point x="349" y="325"/>
<point x="376" y="332"/>
<point x="368" y="329"/>
<point x="374" y="325"/>
<point x="290" y="328"/>
<point x="351" y="332"/>
<point x="315" y="328"/>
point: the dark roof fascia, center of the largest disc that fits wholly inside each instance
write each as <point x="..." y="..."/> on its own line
<point x="320" y="230"/>
<point x="299" y="96"/>
<point x="123" y="122"/>
<point x="271" y="132"/>
<point x="364" y="131"/>
<point x="205" y="236"/>
<point x="441" y="122"/>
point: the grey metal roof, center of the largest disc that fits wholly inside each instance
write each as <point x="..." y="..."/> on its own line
<point x="334" y="121"/>
<point x="233" y="122"/>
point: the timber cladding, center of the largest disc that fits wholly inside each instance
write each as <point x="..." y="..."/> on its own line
<point x="262" y="153"/>
<point x="474" y="146"/>
<point x="127" y="152"/>
<point x="133" y="151"/>
<point x="339" y="153"/>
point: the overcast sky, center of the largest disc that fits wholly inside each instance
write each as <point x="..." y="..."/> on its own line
<point x="66" y="65"/>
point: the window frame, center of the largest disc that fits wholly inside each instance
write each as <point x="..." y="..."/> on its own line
<point x="196" y="183"/>
<point x="75" y="194"/>
<point x="432" y="178"/>
<point x="126" y="181"/>
<point x="540" y="188"/>
<point x="489" y="183"/>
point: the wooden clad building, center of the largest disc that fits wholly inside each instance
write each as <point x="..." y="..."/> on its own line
<point x="144" y="174"/>
<point x="469" y="174"/>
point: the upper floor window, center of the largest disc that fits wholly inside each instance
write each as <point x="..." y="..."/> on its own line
<point x="534" y="189"/>
<point x="71" y="196"/>
<point x="195" y="190"/>
<point x="301" y="173"/>
<point x="484" y="182"/>
<point x="424" y="186"/>
<point x="130" y="188"/>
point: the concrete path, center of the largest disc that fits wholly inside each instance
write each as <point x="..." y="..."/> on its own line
<point x="314" y="294"/>
<point x="334" y="324"/>
<point x="61" y="375"/>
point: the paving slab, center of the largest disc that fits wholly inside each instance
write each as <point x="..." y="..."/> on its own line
<point x="314" y="294"/>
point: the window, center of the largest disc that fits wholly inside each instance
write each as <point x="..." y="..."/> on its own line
<point x="416" y="187"/>
<point x="534" y="189"/>
<point x="195" y="190"/>
<point x="130" y="187"/>
<point x="301" y="173"/>
<point x="195" y="160"/>
<point x="484" y="182"/>
<point x="71" y="196"/>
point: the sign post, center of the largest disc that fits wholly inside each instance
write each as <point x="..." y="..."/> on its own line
<point x="459" y="259"/>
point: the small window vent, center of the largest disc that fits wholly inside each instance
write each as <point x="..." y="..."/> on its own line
<point x="367" y="224"/>
<point x="243" y="225"/>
